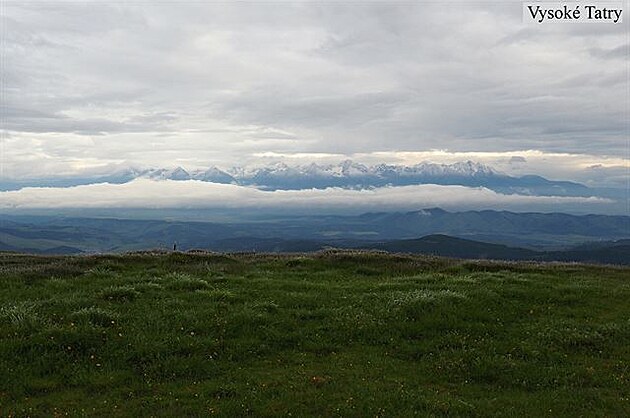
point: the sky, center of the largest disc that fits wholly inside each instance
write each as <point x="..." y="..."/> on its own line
<point x="92" y="87"/>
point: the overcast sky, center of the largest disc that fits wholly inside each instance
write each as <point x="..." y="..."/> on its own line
<point x="103" y="84"/>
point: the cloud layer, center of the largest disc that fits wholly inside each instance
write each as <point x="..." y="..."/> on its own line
<point x="143" y="193"/>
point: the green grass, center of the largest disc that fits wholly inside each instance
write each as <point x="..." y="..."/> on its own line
<point x="333" y="334"/>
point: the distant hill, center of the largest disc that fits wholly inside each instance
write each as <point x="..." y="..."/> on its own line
<point x="446" y="246"/>
<point x="617" y="252"/>
<point x="471" y="234"/>
<point x="274" y="245"/>
<point x="439" y="245"/>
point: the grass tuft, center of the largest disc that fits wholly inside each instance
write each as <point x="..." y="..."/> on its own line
<point x="95" y="316"/>
<point x="22" y="314"/>
<point x="424" y="296"/>
<point x="120" y="293"/>
<point x="183" y="281"/>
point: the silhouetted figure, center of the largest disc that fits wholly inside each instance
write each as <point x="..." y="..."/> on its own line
<point x="174" y="246"/>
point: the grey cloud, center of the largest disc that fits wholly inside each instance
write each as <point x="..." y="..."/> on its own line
<point x="609" y="176"/>
<point x="620" y="52"/>
<point x="341" y="111"/>
<point x="34" y="121"/>
<point x="517" y="160"/>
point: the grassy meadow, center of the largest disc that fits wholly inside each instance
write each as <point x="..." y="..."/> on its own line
<point x="329" y="334"/>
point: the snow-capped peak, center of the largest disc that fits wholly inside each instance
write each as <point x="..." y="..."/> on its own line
<point x="344" y="173"/>
<point x="178" y="173"/>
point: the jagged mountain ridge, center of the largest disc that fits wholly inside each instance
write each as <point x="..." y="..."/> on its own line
<point x="346" y="174"/>
<point x="345" y="169"/>
<point x="350" y="174"/>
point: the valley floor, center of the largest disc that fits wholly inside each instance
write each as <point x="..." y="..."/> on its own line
<point x="327" y="334"/>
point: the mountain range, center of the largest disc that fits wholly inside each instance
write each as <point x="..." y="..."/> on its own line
<point x="346" y="174"/>
<point x="349" y="174"/>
